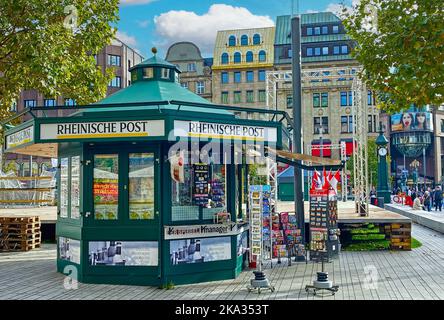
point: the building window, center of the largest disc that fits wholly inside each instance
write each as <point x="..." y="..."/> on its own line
<point x="148" y="73"/>
<point x="324" y="99"/>
<point x="49" y="102"/>
<point x="244" y="40"/>
<point x="344" y="124"/>
<point x="442" y="125"/>
<point x="184" y="85"/>
<point x="13" y="107"/>
<point x="224" y="77"/>
<point x="256" y="39"/>
<point x="261" y="96"/>
<point x="262" y="56"/>
<point x="224" y="58"/>
<point x="324" y="29"/>
<point x="249" y="56"/>
<point x="319" y="122"/>
<point x="250" y="96"/>
<point x="309" y="52"/>
<point x="113" y="60"/>
<point x="370" y="123"/>
<point x="317" y="51"/>
<point x="237" y="97"/>
<point x="371" y="99"/>
<point x="165" y="73"/>
<point x="317" y="31"/>
<point x="309" y="31"/>
<point x="344" y="49"/>
<point x="232" y="41"/>
<point x="261" y="75"/>
<point x="316" y="100"/>
<point x="129" y="64"/>
<point x="69" y="102"/>
<point x="324" y="51"/>
<point x="335" y="29"/>
<point x="30" y="103"/>
<point x="224" y="97"/>
<point x="289" y="101"/>
<point x="346" y="98"/>
<point x="336" y="50"/>
<point x="115" y="82"/>
<point x="200" y="87"/>
<point x="290" y="53"/>
<point x="237" y="57"/>
<point x="250" y="76"/>
<point x="191" y="67"/>
<point x="350" y="124"/>
<point x="237" y="77"/>
<point x="176" y="77"/>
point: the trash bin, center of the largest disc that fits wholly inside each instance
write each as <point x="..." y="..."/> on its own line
<point x="381" y="202"/>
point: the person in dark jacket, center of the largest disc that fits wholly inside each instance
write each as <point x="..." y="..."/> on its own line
<point x="438" y="198"/>
<point x="427" y="201"/>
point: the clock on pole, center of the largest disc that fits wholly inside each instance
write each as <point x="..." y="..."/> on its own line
<point x="383" y="189"/>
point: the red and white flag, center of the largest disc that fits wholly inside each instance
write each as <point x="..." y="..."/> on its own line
<point x="335" y="180"/>
<point x="316" y="182"/>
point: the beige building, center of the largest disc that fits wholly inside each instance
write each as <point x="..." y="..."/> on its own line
<point x="196" y="70"/>
<point x="241" y="59"/>
<point x="326" y="103"/>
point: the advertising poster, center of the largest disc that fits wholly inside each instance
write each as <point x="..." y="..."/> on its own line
<point x="200" y="192"/>
<point x="105" y="187"/>
<point x="242" y="243"/>
<point x="411" y="121"/>
<point x="141" y="186"/>
<point x="200" y="250"/>
<point x="75" y="187"/>
<point x="64" y="166"/>
<point x="123" y="253"/>
<point x="69" y="249"/>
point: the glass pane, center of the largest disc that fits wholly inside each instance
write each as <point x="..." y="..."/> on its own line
<point x="141" y="186"/>
<point x="75" y="187"/>
<point x="64" y="167"/>
<point x="106" y="186"/>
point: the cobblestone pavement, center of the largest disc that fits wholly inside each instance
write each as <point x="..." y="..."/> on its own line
<point x="416" y="274"/>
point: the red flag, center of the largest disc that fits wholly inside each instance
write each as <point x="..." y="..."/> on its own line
<point x="324" y="179"/>
<point x="335" y="180"/>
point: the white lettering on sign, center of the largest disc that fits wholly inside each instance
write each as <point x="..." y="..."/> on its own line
<point x="105" y="129"/>
<point x="199" y="231"/>
<point x="20" y="137"/>
<point x="223" y="131"/>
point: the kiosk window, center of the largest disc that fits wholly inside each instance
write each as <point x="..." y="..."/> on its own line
<point x="75" y="187"/>
<point x="141" y="186"/>
<point x="105" y="186"/>
<point x="64" y="184"/>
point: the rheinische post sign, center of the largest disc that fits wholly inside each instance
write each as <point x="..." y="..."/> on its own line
<point x="101" y="129"/>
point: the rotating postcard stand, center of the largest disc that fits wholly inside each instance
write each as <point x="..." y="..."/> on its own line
<point x="259" y="206"/>
<point x="323" y="235"/>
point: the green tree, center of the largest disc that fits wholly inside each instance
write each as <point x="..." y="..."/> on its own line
<point x="400" y="45"/>
<point x="48" y="45"/>
<point x="372" y="163"/>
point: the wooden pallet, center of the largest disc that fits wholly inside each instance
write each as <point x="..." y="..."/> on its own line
<point x="20" y="233"/>
<point x="18" y="247"/>
<point x="400" y="236"/>
<point x="16" y="220"/>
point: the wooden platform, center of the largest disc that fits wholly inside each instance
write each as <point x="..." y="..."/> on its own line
<point x="346" y="213"/>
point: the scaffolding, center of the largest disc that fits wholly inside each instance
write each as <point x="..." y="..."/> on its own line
<point x="337" y="75"/>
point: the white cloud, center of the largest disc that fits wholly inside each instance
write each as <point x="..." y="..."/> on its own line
<point x="143" y="23"/>
<point x="126" y="39"/>
<point x="135" y="2"/>
<point x="337" y="8"/>
<point x="174" y="26"/>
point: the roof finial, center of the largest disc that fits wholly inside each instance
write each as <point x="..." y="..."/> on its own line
<point x="154" y="50"/>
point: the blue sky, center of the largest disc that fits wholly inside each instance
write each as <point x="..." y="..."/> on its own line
<point x="147" y="23"/>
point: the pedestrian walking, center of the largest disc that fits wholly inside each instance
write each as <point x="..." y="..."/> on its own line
<point x="427" y="201"/>
<point x="438" y="198"/>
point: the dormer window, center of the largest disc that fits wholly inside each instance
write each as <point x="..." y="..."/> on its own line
<point x="148" y="73"/>
<point x="176" y="77"/>
<point x="165" y="73"/>
<point x="133" y="75"/>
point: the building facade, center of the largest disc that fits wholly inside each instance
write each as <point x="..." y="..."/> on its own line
<point x="241" y="60"/>
<point x="117" y="55"/>
<point x="196" y="70"/>
<point x="326" y="103"/>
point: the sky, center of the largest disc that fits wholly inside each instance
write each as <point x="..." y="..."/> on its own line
<point x="159" y="23"/>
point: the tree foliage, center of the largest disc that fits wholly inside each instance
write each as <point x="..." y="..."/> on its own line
<point x="48" y="45"/>
<point x="400" y="44"/>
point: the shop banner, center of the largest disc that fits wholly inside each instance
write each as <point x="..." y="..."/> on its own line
<point x="200" y="250"/>
<point x="20" y="137"/>
<point x="196" y="129"/>
<point x="123" y="253"/>
<point x="206" y="230"/>
<point x="105" y="129"/>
